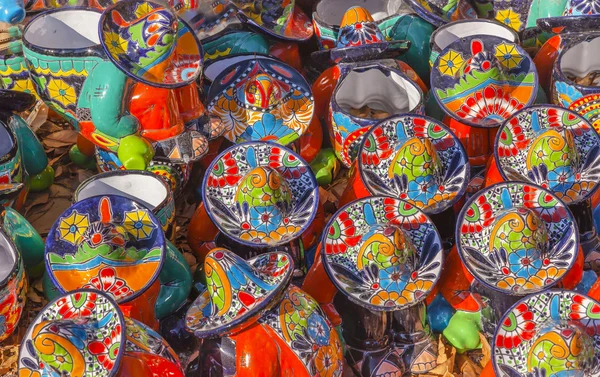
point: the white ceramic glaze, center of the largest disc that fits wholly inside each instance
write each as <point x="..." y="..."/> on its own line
<point x="68" y="29"/>
<point x="454" y="31"/>
<point x="581" y="59"/>
<point x="393" y="94"/>
<point x="8" y="257"/>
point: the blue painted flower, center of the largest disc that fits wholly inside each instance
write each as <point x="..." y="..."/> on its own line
<point x="421" y="189"/>
<point x="269" y="128"/>
<point x="566" y="94"/>
<point x="561" y="179"/>
<point x="524" y="262"/>
<point x="393" y="279"/>
<point x="265" y="219"/>
<point x="317" y="329"/>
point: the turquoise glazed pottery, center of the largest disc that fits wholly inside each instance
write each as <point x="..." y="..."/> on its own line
<point x="554" y="333"/>
<point x="265" y="326"/>
<point x="482" y="80"/>
<point x="558" y="150"/>
<point x="261" y="99"/>
<point x="13" y="286"/>
<point x="114" y="244"/>
<point x="384" y="257"/>
<point x="84" y="333"/>
<point x="449" y="33"/>
<point x="377" y="85"/>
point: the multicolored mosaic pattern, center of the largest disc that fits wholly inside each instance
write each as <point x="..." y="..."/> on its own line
<point x="517" y="238"/>
<point x="551" y="147"/>
<point x="141" y="338"/>
<point x="261" y="99"/>
<point x="77" y="334"/>
<point x="383" y="253"/>
<point x="551" y="334"/>
<point x="148" y="42"/>
<point x="416" y="159"/>
<point x="302" y="325"/>
<point x="13" y="292"/>
<point x="260" y="194"/>
<point x="238" y="291"/>
<point x="483" y="81"/>
<point x="109" y="243"/>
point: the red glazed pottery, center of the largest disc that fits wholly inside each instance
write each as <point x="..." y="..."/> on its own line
<point x="13" y="286"/>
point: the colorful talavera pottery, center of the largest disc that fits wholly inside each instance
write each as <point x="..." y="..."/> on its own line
<point x="517" y="238"/>
<point x="13" y="286"/>
<point x="261" y="99"/>
<point x="449" y="33"/>
<point x="554" y="333"/>
<point x="143" y="187"/>
<point x="258" y="196"/>
<point x="575" y="59"/>
<point x="416" y="159"/>
<point x="116" y="245"/>
<point x="440" y="12"/>
<point x="526" y="149"/>
<point x="85" y="333"/>
<point x="384" y="256"/>
<point x="482" y="80"/>
<point x="264" y="326"/>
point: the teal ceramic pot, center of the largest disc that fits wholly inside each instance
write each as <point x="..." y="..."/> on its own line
<point x="418" y="32"/>
<point x="26" y="239"/>
<point x="377" y="84"/>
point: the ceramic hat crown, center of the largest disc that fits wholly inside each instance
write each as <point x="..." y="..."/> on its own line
<point x="149" y="43"/>
<point x="517" y="238"/>
<point x="440" y="12"/>
<point x="416" y="159"/>
<point x="237" y="291"/>
<point x="261" y="99"/>
<point x="482" y="80"/>
<point x="383" y="253"/>
<point x="260" y="194"/>
<point x="551" y="147"/>
<point x="78" y="334"/>
<point x="360" y="39"/>
<point x="109" y="243"/>
<point x="554" y="333"/>
<point x="279" y="18"/>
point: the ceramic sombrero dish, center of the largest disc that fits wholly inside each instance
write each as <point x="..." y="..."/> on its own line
<point x="440" y="12"/>
<point x="149" y="43"/>
<point x="79" y="334"/>
<point x="279" y="18"/>
<point x="551" y="147"/>
<point x="359" y="39"/>
<point x="517" y="238"/>
<point x="260" y="194"/>
<point x="249" y="288"/>
<point x="109" y="243"/>
<point x="550" y="334"/>
<point x="261" y="99"/>
<point x="416" y="159"/>
<point x="382" y="253"/>
<point x="480" y="81"/>
<point x="577" y="16"/>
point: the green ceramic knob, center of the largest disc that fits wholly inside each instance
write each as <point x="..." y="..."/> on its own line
<point x="135" y="152"/>
<point x="463" y="331"/>
<point x="325" y="166"/>
<point x="43" y="180"/>
<point x="80" y="159"/>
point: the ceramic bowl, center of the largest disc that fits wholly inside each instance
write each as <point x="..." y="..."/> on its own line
<point x="449" y="33"/>
<point x="13" y="286"/>
<point x="328" y="14"/>
<point x="482" y="80"/>
<point x="548" y="334"/>
<point x="85" y="332"/>
<point x="528" y="143"/>
<point x="516" y="238"/>
<point x="372" y="84"/>
<point x="143" y="187"/>
<point x="577" y="60"/>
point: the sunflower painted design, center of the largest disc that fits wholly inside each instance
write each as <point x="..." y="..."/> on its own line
<point x="24" y="86"/>
<point x="508" y="55"/>
<point x="385" y="298"/>
<point x="116" y="44"/>
<point x="138" y="224"/>
<point x="62" y="92"/>
<point x="143" y="9"/>
<point x="73" y="227"/>
<point x="450" y="63"/>
<point x="510" y="18"/>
